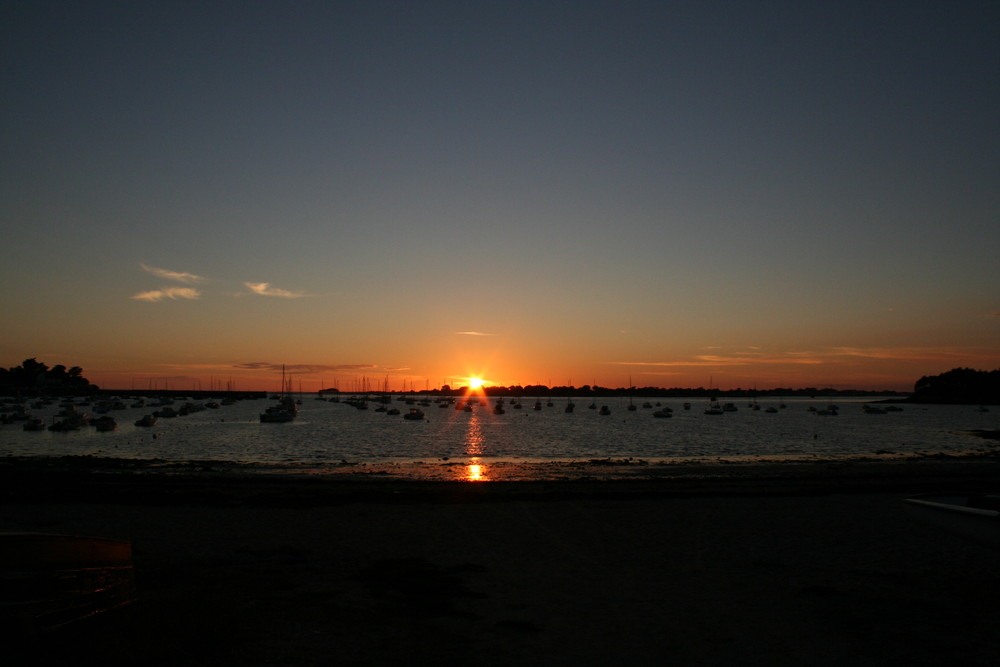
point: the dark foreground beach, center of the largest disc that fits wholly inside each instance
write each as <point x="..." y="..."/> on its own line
<point x="812" y="564"/>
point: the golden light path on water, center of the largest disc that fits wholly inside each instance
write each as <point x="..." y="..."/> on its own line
<point x="474" y="471"/>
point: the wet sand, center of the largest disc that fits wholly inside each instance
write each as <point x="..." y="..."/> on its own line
<point x="819" y="564"/>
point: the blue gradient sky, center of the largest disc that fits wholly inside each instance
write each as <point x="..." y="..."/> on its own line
<point x="773" y="193"/>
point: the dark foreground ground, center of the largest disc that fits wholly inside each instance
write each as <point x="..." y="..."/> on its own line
<point x="770" y="565"/>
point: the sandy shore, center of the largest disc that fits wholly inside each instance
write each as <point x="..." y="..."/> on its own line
<point x="771" y="565"/>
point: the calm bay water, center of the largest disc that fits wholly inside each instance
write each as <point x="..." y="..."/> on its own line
<point x="326" y="435"/>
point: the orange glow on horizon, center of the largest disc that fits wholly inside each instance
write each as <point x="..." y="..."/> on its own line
<point x="876" y="378"/>
<point x="874" y="368"/>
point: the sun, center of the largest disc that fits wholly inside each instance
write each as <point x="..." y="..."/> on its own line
<point x="476" y="383"/>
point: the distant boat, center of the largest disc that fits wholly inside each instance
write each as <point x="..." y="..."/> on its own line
<point x="284" y="411"/>
<point x="713" y="408"/>
<point x="148" y="420"/>
<point x="605" y="410"/>
<point x="104" y="424"/>
<point x="34" y="424"/>
<point x="415" y="414"/>
<point x="664" y="412"/>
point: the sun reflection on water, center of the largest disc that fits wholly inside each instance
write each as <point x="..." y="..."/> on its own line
<point x="475" y="472"/>
<point x="474" y="442"/>
<point x="474" y="439"/>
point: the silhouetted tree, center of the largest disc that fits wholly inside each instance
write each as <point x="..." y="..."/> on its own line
<point x="34" y="376"/>
<point x="959" y="385"/>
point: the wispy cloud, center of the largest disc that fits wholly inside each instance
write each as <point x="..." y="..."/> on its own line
<point x="302" y="369"/>
<point x="814" y="357"/>
<point x="897" y="353"/>
<point x="176" y="276"/>
<point x="473" y="333"/>
<point x="718" y="360"/>
<point x="265" y="289"/>
<point x="172" y="293"/>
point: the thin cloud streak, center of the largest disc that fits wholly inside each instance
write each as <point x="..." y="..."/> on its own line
<point x="816" y="357"/>
<point x="473" y="333"/>
<point x="176" y="276"/>
<point x="171" y="293"/>
<point x="718" y="360"/>
<point x="265" y="289"/>
<point x="300" y="369"/>
<point x="913" y="353"/>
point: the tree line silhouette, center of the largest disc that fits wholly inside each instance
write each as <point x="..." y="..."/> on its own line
<point x="959" y="385"/>
<point x="32" y="376"/>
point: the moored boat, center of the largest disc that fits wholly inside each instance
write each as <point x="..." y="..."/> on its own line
<point x="284" y="411"/>
<point x="664" y="412"/>
<point x="104" y="424"/>
<point x="34" y="424"/>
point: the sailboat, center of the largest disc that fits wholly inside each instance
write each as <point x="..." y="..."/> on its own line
<point x="285" y="410"/>
<point x="714" y="408"/>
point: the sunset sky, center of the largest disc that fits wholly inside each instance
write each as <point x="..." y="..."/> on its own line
<point x="681" y="193"/>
